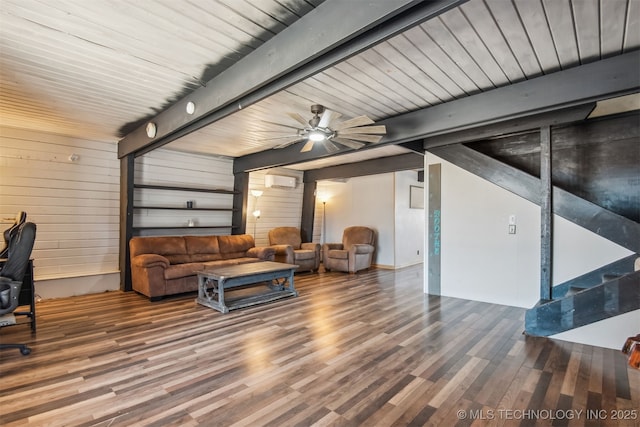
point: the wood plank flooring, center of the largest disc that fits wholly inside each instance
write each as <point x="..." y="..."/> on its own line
<point x="352" y="350"/>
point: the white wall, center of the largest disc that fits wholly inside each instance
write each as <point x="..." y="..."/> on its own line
<point x="279" y="207"/>
<point x="482" y="262"/>
<point x="409" y="223"/>
<point x="75" y="205"/>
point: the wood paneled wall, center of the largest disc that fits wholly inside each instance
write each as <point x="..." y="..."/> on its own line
<point x="279" y="207"/>
<point x="172" y="168"/>
<point x="73" y="202"/>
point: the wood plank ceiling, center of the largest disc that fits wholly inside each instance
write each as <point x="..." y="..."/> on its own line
<point x="95" y="69"/>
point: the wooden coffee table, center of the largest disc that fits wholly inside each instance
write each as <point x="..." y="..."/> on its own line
<point x="276" y="277"/>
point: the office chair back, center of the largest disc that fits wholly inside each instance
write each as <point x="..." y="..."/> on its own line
<point x="19" y="251"/>
<point x="12" y="275"/>
<point x="21" y="218"/>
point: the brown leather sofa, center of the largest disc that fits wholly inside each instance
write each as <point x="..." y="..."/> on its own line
<point x="289" y="248"/>
<point x="168" y="265"/>
<point x="353" y="254"/>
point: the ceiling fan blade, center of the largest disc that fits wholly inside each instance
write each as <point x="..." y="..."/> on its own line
<point x="298" y="118"/>
<point x="288" y="142"/>
<point x="349" y="143"/>
<point x="273" y="138"/>
<point x="363" y="137"/>
<point x="379" y="129"/>
<point x="280" y="124"/>
<point x="328" y="117"/>
<point x="330" y="146"/>
<point x="356" y="121"/>
<point x="307" y="147"/>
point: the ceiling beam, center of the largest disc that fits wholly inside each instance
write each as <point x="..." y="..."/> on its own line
<point x="591" y="82"/>
<point x="531" y="123"/>
<point x="397" y="163"/>
<point x="531" y="102"/>
<point x="313" y="43"/>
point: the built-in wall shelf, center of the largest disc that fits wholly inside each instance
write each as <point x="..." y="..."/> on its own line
<point x="181" y="227"/>
<point x="174" y="188"/>
<point x="171" y="206"/>
<point x="184" y="208"/>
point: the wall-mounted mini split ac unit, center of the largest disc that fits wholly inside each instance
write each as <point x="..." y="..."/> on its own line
<point x="279" y="181"/>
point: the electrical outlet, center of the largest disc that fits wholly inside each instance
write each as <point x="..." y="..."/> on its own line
<point x="512" y="229"/>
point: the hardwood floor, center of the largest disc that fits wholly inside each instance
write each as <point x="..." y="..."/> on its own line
<point x="368" y="349"/>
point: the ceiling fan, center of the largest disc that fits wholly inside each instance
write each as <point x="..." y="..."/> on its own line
<point x="323" y="129"/>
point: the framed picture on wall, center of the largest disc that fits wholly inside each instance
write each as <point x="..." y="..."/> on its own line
<point x="416" y="197"/>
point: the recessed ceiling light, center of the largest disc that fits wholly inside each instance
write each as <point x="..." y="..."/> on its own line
<point x="191" y="107"/>
<point x="151" y="129"/>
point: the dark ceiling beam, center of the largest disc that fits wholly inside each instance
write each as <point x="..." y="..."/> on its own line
<point x="521" y="124"/>
<point x="553" y="93"/>
<point x="591" y="82"/>
<point x="318" y="40"/>
<point x="417" y="146"/>
<point x="409" y="161"/>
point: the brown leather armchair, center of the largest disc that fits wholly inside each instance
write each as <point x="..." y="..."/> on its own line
<point x="353" y="254"/>
<point x="289" y="248"/>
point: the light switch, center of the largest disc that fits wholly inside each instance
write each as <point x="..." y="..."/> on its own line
<point x="512" y="220"/>
<point x="512" y="229"/>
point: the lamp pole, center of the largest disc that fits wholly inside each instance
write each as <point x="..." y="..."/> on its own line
<point x="324" y="221"/>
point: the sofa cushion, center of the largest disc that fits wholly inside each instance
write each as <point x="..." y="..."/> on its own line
<point x="235" y="246"/>
<point x="168" y="246"/>
<point x="226" y="262"/>
<point x="176" y="271"/>
<point x="203" y="248"/>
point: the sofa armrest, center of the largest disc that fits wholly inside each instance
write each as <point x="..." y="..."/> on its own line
<point x="265" y="253"/>
<point x="329" y="246"/>
<point x="361" y="248"/>
<point x="150" y="260"/>
<point x="286" y="250"/>
<point x="311" y="247"/>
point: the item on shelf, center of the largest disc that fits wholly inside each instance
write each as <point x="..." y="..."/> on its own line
<point x="190" y="204"/>
<point x="191" y="223"/>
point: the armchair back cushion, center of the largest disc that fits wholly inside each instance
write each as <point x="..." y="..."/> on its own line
<point x="285" y="236"/>
<point x="357" y="235"/>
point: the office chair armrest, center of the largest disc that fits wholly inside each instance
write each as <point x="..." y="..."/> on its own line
<point x="9" y="291"/>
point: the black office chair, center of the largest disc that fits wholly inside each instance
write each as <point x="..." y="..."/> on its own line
<point x="21" y="218"/>
<point x="11" y="276"/>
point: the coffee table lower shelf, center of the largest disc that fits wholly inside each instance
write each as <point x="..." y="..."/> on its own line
<point x="276" y="276"/>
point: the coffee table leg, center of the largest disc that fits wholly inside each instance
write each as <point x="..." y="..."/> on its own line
<point x="291" y="285"/>
<point x="223" y="307"/>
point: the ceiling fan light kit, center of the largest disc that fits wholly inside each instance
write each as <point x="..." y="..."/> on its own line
<point x="353" y="133"/>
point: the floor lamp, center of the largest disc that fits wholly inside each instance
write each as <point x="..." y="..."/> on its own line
<point x="256" y="212"/>
<point x="324" y="198"/>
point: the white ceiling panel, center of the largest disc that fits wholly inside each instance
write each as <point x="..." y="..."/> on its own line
<point x="97" y="68"/>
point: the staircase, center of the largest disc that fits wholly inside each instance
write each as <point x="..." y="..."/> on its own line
<point x="609" y="291"/>
<point x="581" y="306"/>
